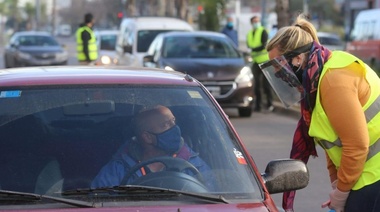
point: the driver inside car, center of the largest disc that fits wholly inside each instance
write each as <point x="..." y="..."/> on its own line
<point x="157" y="135"/>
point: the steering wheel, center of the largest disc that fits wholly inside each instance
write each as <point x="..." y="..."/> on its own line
<point x="173" y="169"/>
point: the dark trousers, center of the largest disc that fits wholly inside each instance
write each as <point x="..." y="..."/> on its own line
<point x="261" y="81"/>
<point x="366" y="199"/>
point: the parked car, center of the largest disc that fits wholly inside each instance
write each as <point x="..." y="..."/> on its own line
<point x="211" y="58"/>
<point x="137" y="33"/>
<point x="60" y="125"/>
<point x="32" y="48"/>
<point x="330" y="40"/>
<point x="106" y="41"/>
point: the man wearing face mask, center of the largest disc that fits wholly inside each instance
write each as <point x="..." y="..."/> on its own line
<point x="157" y="135"/>
<point x="257" y="39"/>
<point x="230" y="31"/>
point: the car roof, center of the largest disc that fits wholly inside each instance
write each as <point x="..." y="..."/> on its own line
<point x="193" y="33"/>
<point x="158" y="23"/>
<point x="23" y="33"/>
<point x="327" y="34"/>
<point x="107" y="32"/>
<point x="85" y="75"/>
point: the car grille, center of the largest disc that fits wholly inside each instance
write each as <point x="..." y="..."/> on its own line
<point x="220" y="89"/>
<point x="45" y="56"/>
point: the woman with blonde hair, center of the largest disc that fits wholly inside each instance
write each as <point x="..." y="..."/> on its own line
<point x="340" y="111"/>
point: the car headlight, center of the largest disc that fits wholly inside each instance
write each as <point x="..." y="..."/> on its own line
<point x="245" y="75"/>
<point x="24" y="55"/>
<point x="106" y="60"/>
<point x="168" y="68"/>
<point x="61" y="56"/>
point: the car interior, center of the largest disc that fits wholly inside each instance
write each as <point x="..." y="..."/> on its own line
<point x="62" y="144"/>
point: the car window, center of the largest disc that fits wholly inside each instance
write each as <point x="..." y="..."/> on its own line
<point x="324" y="40"/>
<point x="198" y="47"/>
<point x="108" y="42"/>
<point x="37" y="40"/>
<point x="56" y="139"/>
<point x="146" y="37"/>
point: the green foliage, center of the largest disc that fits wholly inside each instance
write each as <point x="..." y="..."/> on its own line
<point x="212" y="10"/>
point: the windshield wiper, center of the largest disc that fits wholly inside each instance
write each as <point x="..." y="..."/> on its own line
<point x="4" y="194"/>
<point x="147" y="190"/>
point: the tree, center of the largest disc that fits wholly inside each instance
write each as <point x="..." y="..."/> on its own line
<point x="209" y="19"/>
<point x="282" y="8"/>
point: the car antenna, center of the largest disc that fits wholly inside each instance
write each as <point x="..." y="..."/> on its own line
<point x="188" y="78"/>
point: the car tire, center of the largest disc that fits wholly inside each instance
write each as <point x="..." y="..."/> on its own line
<point x="245" y="112"/>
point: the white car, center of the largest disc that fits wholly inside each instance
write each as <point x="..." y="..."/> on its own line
<point x="106" y="41"/>
<point x="137" y="33"/>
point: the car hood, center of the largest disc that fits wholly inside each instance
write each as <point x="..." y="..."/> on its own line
<point x="207" y="69"/>
<point x="40" y="49"/>
<point x="254" y="207"/>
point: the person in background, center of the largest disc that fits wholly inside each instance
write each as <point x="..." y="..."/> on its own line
<point x="156" y="135"/>
<point x="230" y="31"/>
<point x="340" y="98"/>
<point x="257" y="39"/>
<point x="87" y="50"/>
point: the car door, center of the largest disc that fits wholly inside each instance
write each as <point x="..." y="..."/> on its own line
<point x="10" y="52"/>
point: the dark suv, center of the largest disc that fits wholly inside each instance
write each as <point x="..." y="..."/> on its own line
<point x="212" y="59"/>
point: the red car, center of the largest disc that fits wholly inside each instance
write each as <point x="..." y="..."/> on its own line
<point x="71" y="137"/>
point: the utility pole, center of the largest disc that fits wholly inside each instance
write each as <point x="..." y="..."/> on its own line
<point x="38" y="7"/>
<point x="306" y="7"/>
<point x="54" y="14"/>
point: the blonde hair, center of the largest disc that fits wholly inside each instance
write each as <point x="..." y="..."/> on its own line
<point x="291" y="37"/>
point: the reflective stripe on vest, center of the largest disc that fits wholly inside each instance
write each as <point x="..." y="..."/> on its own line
<point x="254" y="41"/>
<point x="326" y="137"/>
<point x="92" y="47"/>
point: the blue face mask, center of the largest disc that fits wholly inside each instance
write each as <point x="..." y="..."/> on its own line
<point x="230" y="24"/>
<point x="169" y="140"/>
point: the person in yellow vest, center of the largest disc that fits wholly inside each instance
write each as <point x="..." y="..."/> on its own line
<point x="257" y="39"/>
<point x="340" y="108"/>
<point x="87" y="50"/>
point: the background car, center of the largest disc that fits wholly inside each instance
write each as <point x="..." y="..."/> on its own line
<point x="331" y="41"/>
<point x="60" y="125"/>
<point x="211" y="58"/>
<point x="106" y="41"/>
<point x="32" y="48"/>
<point x="137" y="33"/>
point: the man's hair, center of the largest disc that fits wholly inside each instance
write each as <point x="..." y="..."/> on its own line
<point x="88" y="18"/>
<point x="253" y="17"/>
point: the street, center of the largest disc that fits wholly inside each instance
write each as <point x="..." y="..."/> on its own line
<point x="267" y="136"/>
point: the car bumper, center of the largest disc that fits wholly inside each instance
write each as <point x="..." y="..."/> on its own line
<point x="35" y="62"/>
<point x="230" y="94"/>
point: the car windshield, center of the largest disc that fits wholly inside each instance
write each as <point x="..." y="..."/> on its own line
<point x="324" y="40"/>
<point x="58" y="139"/>
<point x="146" y="37"/>
<point x="108" y="42"/>
<point x="37" y="40"/>
<point x="198" y="47"/>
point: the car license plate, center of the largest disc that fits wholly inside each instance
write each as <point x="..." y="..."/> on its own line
<point x="214" y="90"/>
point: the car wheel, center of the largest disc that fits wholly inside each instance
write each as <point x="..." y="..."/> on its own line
<point x="245" y="112"/>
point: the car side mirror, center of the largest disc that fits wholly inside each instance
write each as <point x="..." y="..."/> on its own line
<point x="127" y="49"/>
<point x="148" y="60"/>
<point x="285" y="175"/>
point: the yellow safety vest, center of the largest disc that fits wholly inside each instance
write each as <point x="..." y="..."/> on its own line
<point x="253" y="41"/>
<point x="326" y="137"/>
<point x="92" y="47"/>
